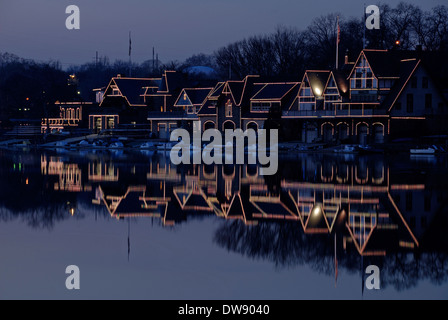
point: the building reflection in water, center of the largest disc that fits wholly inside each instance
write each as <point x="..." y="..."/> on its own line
<point x="324" y="211"/>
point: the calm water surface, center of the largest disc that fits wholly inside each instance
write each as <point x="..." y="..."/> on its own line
<point x="141" y="228"/>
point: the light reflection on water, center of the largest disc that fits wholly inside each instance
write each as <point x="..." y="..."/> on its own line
<point x="184" y="230"/>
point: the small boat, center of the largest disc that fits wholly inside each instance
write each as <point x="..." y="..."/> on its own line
<point x="347" y="149"/>
<point x="423" y="151"/>
<point x="148" y="145"/>
<point x="116" y="145"/>
<point x="369" y="150"/>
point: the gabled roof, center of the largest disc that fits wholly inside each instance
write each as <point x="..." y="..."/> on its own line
<point x="241" y="209"/>
<point x="317" y="80"/>
<point x="131" y="202"/>
<point x="341" y="81"/>
<point x="240" y="90"/>
<point x="407" y="70"/>
<point x="280" y="207"/>
<point x="131" y="88"/>
<point x="171" y="80"/>
<point x="274" y="91"/>
<point x="236" y="89"/>
<point x="384" y="63"/>
<point x="217" y="90"/>
<point x="192" y="97"/>
<point x="192" y="199"/>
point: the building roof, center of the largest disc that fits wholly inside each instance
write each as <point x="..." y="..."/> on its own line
<point x="343" y="85"/>
<point x="131" y="88"/>
<point x="385" y="63"/>
<point x="171" y="80"/>
<point x="192" y="97"/>
<point x="407" y="69"/>
<point x="217" y="90"/>
<point x="274" y="91"/>
<point x="317" y="80"/>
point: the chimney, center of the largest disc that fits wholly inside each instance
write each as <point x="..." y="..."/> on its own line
<point x="346" y="58"/>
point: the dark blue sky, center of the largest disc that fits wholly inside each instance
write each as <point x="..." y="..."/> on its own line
<point x="177" y="28"/>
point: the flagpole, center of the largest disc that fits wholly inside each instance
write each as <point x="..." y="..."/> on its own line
<point x="130" y="52"/>
<point x="337" y="44"/>
<point x="364" y="28"/>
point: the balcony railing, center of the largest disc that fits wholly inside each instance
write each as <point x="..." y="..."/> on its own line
<point x="171" y="115"/>
<point x="340" y="110"/>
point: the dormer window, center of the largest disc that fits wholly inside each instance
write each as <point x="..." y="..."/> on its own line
<point x="115" y="91"/>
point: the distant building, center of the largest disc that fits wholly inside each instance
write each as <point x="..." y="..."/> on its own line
<point x="245" y="104"/>
<point x="72" y="115"/>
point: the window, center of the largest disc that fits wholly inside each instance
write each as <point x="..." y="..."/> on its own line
<point x="260" y="107"/>
<point x="229" y="108"/>
<point x="428" y="101"/>
<point x="369" y="83"/>
<point x="358" y="83"/>
<point x="111" y="123"/>
<point x="410" y="103"/>
<point x="414" y="82"/>
<point x="425" y="82"/>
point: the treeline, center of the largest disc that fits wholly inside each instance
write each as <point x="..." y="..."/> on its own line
<point x="28" y="88"/>
<point x="286" y="53"/>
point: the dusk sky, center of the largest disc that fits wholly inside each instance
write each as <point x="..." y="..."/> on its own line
<point x="177" y="28"/>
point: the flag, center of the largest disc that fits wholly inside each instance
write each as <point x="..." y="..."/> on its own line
<point x="339" y="33"/>
<point x="130" y="44"/>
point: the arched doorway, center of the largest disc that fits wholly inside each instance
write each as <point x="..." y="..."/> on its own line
<point x="378" y="133"/>
<point x="327" y="132"/>
<point x="362" y="130"/>
<point x="252" y="125"/>
<point x="209" y="125"/>
<point x="343" y="131"/>
<point x="228" y="125"/>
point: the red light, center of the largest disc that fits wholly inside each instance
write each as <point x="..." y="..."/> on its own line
<point x="397" y="42"/>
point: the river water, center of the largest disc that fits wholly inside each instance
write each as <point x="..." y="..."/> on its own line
<point x="138" y="227"/>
